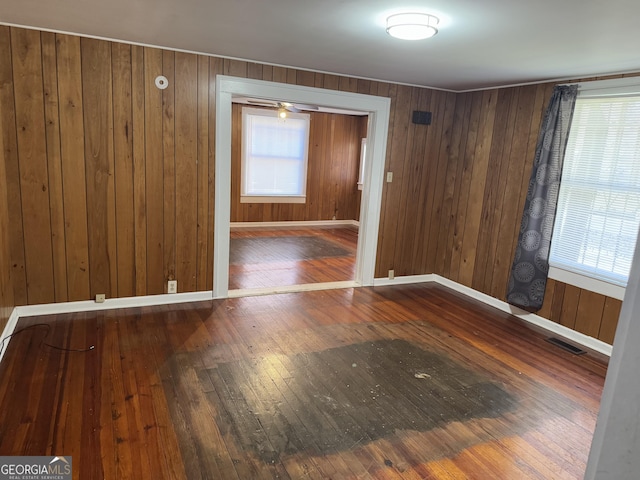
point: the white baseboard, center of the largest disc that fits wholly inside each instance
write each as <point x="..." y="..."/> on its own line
<point x="112" y="303"/>
<point x="405" y="280"/>
<point x="553" y="327"/>
<point x="300" y="223"/>
<point x="90" y="306"/>
<point x="166" y="299"/>
<point x="548" y="325"/>
<point x="307" y="287"/>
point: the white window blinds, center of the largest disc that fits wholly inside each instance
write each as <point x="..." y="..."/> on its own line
<point x="599" y="202"/>
<point x="274" y="154"/>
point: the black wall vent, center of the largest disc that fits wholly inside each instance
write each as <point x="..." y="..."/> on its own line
<point x="421" y="118"/>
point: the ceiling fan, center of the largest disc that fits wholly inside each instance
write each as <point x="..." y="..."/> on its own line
<point x="291" y="107"/>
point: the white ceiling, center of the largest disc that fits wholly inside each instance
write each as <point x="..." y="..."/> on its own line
<point x="480" y="43"/>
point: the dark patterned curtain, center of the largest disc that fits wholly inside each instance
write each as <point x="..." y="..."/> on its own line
<point x="528" y="279"/>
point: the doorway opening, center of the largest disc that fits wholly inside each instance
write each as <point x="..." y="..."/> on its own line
<point x="377" y="109"/>
<point x="295" y="193"/>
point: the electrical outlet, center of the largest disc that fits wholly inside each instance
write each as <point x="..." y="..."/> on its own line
<point x="389" y="177"/>
<point x="172" y="286"/>
<point x="391" y="274"/>
<point x="100" y="297"/>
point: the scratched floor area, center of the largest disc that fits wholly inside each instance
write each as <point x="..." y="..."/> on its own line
<point x="329" y="401"/>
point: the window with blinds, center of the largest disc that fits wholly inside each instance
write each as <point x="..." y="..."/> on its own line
<point x="598" y="214"/>
<point x="274" y="156"/>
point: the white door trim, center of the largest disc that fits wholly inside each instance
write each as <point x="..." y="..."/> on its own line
<point x="378" y="111"/>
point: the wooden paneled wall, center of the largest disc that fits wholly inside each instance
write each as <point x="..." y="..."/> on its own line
<point x="6" y="287"/>
<point x="110" y="180"/>
<point x="108" y="176"/>
<point x="332" y="176"/>
<point x="475" y="195"/>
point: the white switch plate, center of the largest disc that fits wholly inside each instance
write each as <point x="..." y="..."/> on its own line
<point x="172" y="286"/>
<point x="389" y="177"/>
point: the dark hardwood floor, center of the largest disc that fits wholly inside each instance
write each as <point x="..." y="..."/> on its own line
<point x="412" y="381"/>
<point x="264" y="257"/>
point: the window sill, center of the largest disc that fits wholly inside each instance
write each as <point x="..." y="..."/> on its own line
<point x="587" y="283"/>
<point x="272" y="199"/>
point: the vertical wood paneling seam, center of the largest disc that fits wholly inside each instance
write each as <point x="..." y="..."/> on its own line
<point x="146" y="186"/>
<point x="114" y="284"/>
<point x="139" y="156"/>
<point x="64" y="230"/>
<point x="196" y="267"/>
<point x="115" y="177"/>
<point x="115" y="293"/>
<point x="136" y="139"/>
<point x="211" y="107"/>
<point x="64" y="212"/>
<point x="201" y="229"/>
<point x="198" y="189"/>
<point x="123" y="184"/>
<point x="146" y="166"/>
<point x="46" y="147"/>
<point x="175" y="172"/>
<point x="154" y="173"/>
<point x="86" y="186"/>
<point x="17" y="145"/>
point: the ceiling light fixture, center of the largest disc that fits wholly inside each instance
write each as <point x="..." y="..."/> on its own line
<point x="412" y="26"/>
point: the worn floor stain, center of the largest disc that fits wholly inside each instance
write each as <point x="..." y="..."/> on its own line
<point x="332" y="400"/>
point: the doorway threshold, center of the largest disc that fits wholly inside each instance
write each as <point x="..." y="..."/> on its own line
<point x="305" y="287"/>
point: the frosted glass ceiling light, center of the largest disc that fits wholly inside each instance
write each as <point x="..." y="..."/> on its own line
<point x="412" y="26"/>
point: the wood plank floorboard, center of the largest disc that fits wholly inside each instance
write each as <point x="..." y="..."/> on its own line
<point x="393" y="382"/>
<point x="266" y="257"/>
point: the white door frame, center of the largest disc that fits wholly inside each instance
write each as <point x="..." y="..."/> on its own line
<point x="378" y="111"/>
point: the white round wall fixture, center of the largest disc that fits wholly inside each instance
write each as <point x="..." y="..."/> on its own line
<point x="162" y="82"/>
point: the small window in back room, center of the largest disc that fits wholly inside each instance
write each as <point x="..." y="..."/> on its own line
<point x="274" y="156"/>
<point x="363" y="158"/>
